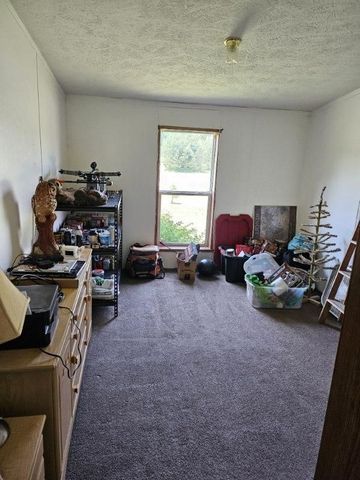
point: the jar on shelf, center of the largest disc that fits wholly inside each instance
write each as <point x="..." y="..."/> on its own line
<point x="106" y="263"/>
<point x="104" y="237"/>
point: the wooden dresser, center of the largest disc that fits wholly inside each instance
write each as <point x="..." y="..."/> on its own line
<point x="22" y="455"/>
<point x="34" y="383"/>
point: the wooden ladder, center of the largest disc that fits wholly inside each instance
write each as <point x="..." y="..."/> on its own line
<point x="344" y="271"/>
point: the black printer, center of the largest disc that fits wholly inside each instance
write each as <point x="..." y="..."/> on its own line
<point x="39" y="325"/>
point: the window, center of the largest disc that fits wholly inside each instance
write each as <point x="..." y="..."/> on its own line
<point x="186" y="182"/>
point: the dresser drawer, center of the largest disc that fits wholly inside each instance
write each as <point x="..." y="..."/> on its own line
<point x="80" y="299"/>
<point x="80" y="328"/>
<point x="22" y="455"/>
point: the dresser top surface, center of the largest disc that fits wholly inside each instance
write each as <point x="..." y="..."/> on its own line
<point x="31" y="358"/>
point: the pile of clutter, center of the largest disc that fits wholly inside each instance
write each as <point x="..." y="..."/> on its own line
<point x="254" y="246"/>
<point x="275" y="272"/>
<point x="93" y="229"/>
<point x="272" y="286"/>
<point x="102" y="288"/>
<point x="277" y="248"/>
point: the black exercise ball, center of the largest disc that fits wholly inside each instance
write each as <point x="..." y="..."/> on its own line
<point x="206" y="267"/>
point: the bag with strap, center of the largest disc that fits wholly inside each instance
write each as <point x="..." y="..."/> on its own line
<point x="144" y="261"/>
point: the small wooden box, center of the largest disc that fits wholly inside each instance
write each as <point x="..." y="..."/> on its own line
<point x="186" y="270"/>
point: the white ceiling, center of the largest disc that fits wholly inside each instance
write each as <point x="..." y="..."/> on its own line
<point x="295" y="54"/>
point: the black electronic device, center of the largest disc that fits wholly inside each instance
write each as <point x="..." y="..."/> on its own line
<point x="45" y="263"/>
<point x="58" y="270"/>
<point x="39" y="325"/>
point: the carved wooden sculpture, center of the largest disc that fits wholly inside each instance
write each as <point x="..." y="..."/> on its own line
<point x="44" y="205"/>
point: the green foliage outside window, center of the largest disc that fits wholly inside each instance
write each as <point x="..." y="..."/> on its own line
<point x="177" y="232"/>
<point x="186" y="152"/>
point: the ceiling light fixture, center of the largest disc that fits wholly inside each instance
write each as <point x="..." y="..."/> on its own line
<point x="232" y="49"/>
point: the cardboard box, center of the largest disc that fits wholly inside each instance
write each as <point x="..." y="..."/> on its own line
<point x="186" y="270"/>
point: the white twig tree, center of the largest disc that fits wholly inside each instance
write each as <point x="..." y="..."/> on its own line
<point x="320" y="254"/>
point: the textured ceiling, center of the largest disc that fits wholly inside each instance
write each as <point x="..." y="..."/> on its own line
<point x="295" y="54"/>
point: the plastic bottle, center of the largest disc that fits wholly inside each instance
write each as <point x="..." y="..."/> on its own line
<point x="79" y="237"/>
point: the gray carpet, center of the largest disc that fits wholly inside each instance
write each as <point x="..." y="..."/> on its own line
<point x="191" y="382"/>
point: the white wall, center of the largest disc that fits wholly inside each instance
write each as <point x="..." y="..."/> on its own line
<point x="333" y="160"/>
<point x="32" y="131"/>
<point x="265" y="156"/>
<point x="260" y="155"/>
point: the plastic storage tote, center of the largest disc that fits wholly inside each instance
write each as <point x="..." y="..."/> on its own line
<point x="222" y="250"/>
<point x="264" y="297"/>
<point x="102" y="288"/>
<point x="230" y="230"/>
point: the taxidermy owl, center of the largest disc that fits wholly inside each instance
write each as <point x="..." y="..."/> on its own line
<point x="44" y="201"/>
<point x="44" y="204"/>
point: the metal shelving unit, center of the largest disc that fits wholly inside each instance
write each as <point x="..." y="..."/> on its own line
<point x="114" y="205"/>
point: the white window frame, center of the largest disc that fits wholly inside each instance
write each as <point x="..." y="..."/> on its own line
<point x="210" y="194"/>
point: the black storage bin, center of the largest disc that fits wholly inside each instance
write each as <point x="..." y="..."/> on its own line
<point x="222" y="250"/>
<point x="234" y="268"/>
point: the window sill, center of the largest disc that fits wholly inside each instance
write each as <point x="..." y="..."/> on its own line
<point x="181" y="249"/>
